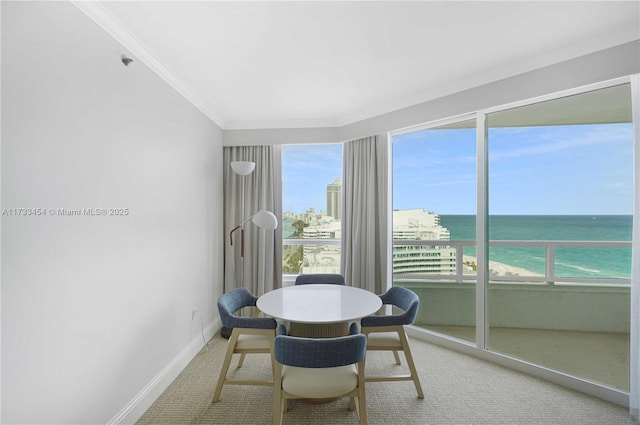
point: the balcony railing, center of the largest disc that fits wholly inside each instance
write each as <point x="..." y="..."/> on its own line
<point x="549" y="276"/>
<point x="311" y="241"/>
<point x="460" y="276"/>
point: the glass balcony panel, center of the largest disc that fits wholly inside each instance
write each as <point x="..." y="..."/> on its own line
<point x="580" y="330"/>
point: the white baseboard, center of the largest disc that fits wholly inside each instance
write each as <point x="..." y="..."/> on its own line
<point x="134" y="410"/>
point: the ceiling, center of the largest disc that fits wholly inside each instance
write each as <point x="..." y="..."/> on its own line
<point x="271" y="64"/>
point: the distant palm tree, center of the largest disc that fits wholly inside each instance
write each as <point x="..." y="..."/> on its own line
<point x="299" y="225"/>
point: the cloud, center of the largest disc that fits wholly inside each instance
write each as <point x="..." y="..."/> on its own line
<point x="548" y="140"/>
<point x="312" y="157"/>
<point x="616" y="185"/>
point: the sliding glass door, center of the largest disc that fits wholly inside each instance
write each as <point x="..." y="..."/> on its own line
<point x="560" y="184"/>
<point x="514" y="228"/>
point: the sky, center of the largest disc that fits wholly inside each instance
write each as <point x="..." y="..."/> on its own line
<point x="577" y="169"/>
<point x="306" y="172"/>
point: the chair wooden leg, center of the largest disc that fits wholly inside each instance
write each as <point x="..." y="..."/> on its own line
<point x="278" y="407"/>
<point x="362" y="410"/>
<point x="397" y="357"/>
<point x="274" y="364"/>
<point x="233" y="339"/>
<point x="279" y="402"/>
<point x="241" y="360"/>
<point x="362" y="402"/>
<point x="412" y="366"/>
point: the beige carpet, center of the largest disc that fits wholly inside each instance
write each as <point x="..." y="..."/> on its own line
<point x="459" y="389"/>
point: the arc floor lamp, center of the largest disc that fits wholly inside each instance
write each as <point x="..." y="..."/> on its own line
<point x="263" y="218"/>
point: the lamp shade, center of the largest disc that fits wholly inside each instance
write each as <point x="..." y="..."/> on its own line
<point x="243" y="167"/>
<point x="265" y="219"/>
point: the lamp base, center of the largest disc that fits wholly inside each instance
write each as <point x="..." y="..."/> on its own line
<point x="225" y="332"/>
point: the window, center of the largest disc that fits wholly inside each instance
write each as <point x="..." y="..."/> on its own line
<point x="434" y="219"/>
<point x="311" y="205"/>
<point x="551" y="270"/>
<point x="560" y="213"/>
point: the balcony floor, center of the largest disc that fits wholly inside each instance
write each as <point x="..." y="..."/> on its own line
<point x="595" y="356"/>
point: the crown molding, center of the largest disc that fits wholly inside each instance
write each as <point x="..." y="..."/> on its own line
<point x="101" y="16"/>
<point x="279" y="124"/>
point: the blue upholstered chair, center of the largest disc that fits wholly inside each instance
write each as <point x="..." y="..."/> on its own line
<point x="333" y="279"/>
<point x="248" y="335"/>
<point x="386" y="333"/>
<point x="320" y="368"/>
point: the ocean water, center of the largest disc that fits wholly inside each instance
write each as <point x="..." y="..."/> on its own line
<point x="569" y="261"/>
<point x="287" y="229"/>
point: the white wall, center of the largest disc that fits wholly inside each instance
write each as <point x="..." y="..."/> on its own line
<point x="94" y="308"/>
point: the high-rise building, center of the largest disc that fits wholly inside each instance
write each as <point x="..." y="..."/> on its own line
<point x="409" y="225"/>
<point x="334" y="199"/>
<point x="417" y="225"/>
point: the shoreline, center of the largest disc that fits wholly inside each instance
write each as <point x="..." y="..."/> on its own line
<point x="497" y="269"/>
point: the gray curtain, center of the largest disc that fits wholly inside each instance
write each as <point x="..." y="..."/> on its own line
<point x="262" y="248"/>
<point x="365" y="213"/>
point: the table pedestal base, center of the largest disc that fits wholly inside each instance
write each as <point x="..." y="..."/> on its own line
<point x="320" y="330"/>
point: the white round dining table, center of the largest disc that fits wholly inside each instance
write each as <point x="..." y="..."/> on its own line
<point x="313" y="309"/>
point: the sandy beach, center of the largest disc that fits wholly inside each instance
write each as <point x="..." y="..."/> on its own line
<point x="498" y="269"/>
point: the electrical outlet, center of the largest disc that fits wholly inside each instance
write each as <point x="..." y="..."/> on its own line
<point x="193" y="313"/>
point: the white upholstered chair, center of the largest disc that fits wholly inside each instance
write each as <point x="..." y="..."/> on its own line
<point x="320" y="368"/>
